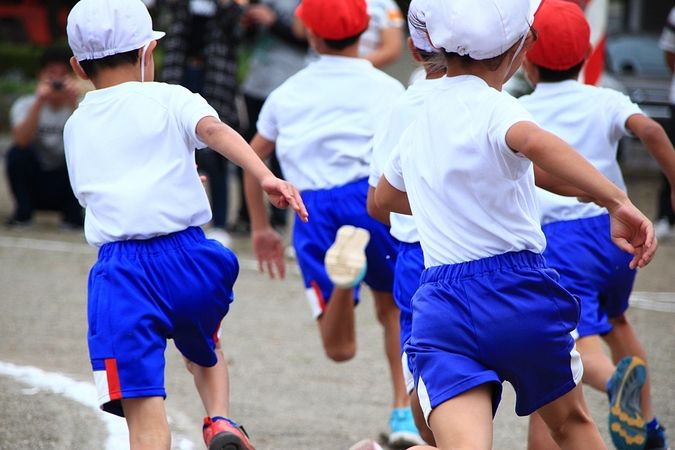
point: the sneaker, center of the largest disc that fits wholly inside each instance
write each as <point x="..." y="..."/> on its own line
<point x="657" y="439"/>
<point x="220" y="235"/>
<point x="626" y="424"/>
<point x="366" y="444"/>
<point x="402" y="430"/>
<point x="346" y="259"/>
<point x="221" y="433"/>
<point x="663" y="230"/>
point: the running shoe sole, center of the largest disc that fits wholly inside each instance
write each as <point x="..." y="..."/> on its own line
<point x="626" y="423"/>
<point x="345" y="260"/>
<point x="228" y="441"/>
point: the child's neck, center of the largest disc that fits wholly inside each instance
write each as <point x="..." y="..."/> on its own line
<point x="494" y="79"/>
<point x="110" y="77"/>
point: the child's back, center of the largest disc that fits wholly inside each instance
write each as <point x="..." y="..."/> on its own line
<point x="324" y="118"/>
<point x="592" y="120"/>
<point x="465" y="165"/>
<point x="144" y="135"/>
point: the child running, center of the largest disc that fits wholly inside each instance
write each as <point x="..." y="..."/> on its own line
<point x="130" y="155"/>
<point x="488" y="309"/>
<point x="579" y="247"/>
<point x="321" y="122"/>
<point x="410" y="260"/>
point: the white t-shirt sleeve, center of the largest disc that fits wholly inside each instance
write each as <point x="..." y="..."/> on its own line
<point x="380" y="151"/>
<point x="392" y="17"/>
<point x="189" y="109"/>
<point x="619" y="108"/>
<point x="506" y="113"/>
<point x="393" y="171"/>
<point x="667" y="40"/>
<point x="267" y="125"/>
<point x="20" y="109"/>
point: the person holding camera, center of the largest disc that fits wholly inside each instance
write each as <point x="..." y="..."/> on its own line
<point x="35" y="163"/>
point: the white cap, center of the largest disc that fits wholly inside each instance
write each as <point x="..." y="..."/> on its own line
<point x="100" y="28"/>
<point x="481" y="29"/>
<point x="417" y="25"/>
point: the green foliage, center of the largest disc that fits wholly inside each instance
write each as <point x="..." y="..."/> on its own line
<point x="20" y="60"/>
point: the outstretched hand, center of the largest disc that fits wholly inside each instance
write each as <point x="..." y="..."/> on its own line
<point x="269" y="251"/>
<point x="283" y="194"/>
<point x="633" y="233"/>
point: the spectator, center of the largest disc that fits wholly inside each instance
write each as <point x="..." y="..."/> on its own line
<point x="201" y="54"/>
<point x="663" y="227"/>
<point x="278" y="51"/>
<point x="36" y="165"/>
<point x="382" y="43"/>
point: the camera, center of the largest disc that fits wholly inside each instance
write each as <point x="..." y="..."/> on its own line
<point x="57" y="85"/>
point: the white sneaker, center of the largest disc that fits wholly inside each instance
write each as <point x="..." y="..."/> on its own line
<point x="220" y="235"/>
<point x="366" y="444"/>
<point x="345" y="260"/>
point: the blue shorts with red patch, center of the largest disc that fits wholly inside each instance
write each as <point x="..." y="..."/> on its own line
<point x="330" y="209"/>
<point x="592" y="268"/>
<point x="143" y="292"/>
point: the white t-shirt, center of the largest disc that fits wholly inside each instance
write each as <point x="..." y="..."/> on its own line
<point x="130" y="155"/>
<point x="472" y="196"/>
<point x="48" y="140"/>
<point x="323" y="120"/>
<point x="383" y="14"/>
<point x="387" y="137"/>
<point x="667" y="43"/>
<point x="590" y="119"/>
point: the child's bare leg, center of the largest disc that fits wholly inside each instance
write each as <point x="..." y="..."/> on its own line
<point x="463" y="422"/>
<point x="570" y="422"/>
<point x="336" y="325"/>
<point x="538" y="436"/>
<point x="388" y="315"/>
<point x="598" y="367"/>
<point x="146" y="420"/>
<point x="623" y="341"/>
<point x="213" y="385"/>
<point x="420" y="423"/>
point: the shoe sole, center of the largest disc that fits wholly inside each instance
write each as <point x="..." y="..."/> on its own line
<point x="228" y="441"/>
<point x="366" y="444"/>
<point x="345" y="260"/>
<point x="626" y="423"/>
<point x="404" y="439"/>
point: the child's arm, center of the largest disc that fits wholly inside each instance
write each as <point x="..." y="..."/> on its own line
<point x="388" y="198"/>
<point x="267" y="243"/>
<point x="375" y="211"/>
<point x="631" y="230"/>
<point x="655" y="139"/>
<point x="231" y="145"/>
<point x="553" y="184"/>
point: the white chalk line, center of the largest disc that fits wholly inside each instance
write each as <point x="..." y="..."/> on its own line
<point x="83" y="393"/>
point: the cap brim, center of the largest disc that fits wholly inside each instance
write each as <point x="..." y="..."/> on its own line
<point x="157" y="35"/>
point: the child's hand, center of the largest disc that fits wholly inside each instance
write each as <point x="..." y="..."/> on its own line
<point x="633" y="233"/>
<point x="283" y="194"/>
<point x="269" y="251"/>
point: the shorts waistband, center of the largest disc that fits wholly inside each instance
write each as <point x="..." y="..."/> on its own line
<point x="505" y="261"/>
<point x="406" y="246"/>
<point x="336" y="191"/>
<point x="156" y="244"/>
<point x="586" y="223"/>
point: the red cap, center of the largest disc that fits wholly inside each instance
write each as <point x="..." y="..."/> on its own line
<point x="334" y="19"/>
<point x="563" y="35"/>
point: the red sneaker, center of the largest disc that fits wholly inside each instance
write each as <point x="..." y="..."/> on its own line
<point x="220" y="433"/>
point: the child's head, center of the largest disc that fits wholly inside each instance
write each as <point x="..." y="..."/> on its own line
<point x="111" y="34"/>
<point x="334" y="26"/>
<point x="418" y="42"/>
<point x="491" y="35"/>
<point x="563" y="43"/>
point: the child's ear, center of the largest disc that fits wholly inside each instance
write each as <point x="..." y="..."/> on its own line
<point x="148" y="52"/>
<point x="413" y="51"/>
<point x="531" y="72"/>
<point x="77" y="68"/>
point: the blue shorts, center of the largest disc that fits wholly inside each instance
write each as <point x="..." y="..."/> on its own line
<point x="143" y="292"/>
<point x="409" y="268"/>
<point x="592" y="268"/>
<point x="503" y="318"/>
<point x="330" y="209"/>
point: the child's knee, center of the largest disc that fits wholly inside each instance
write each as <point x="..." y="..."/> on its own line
<point x="569" y="422"/>
<point x="340" y="352"/>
